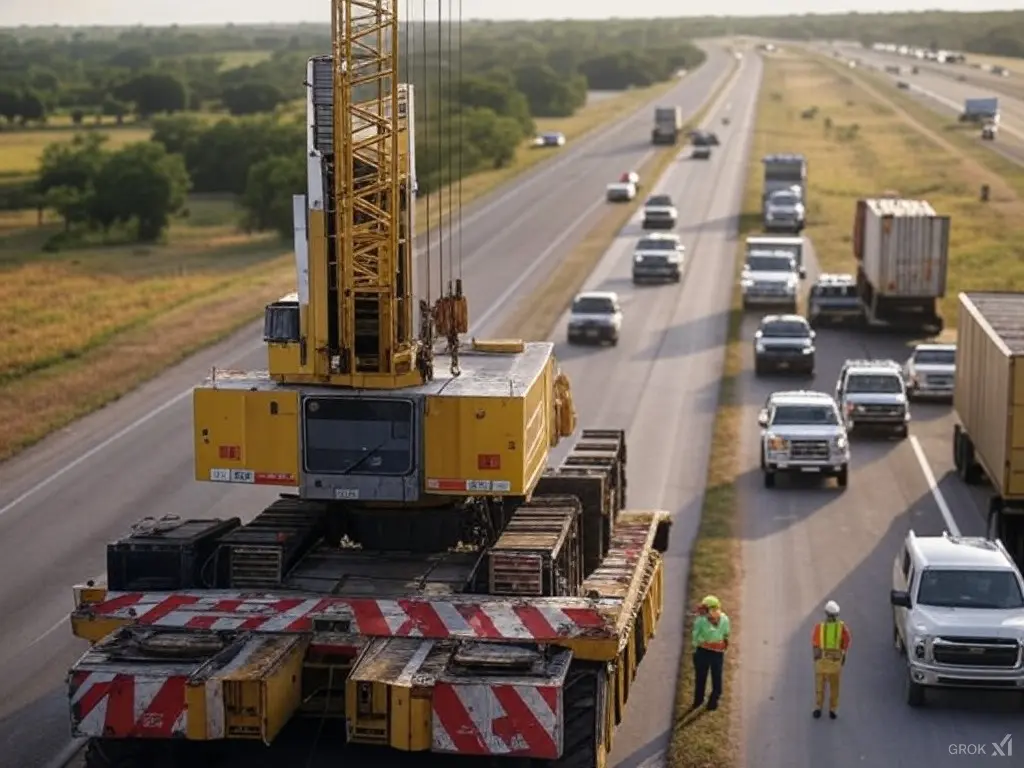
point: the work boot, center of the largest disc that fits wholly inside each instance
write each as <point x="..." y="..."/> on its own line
<point x="832" y="715"/>
<point x="816" y="714"/>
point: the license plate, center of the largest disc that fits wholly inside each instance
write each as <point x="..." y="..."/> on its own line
<point x="783" y="364"/>
<point x="810" y="470"/>
<point x="592" y="332"/>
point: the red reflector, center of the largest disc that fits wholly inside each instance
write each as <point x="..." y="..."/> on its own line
<point x="488" y="461"/>
<point x="231" y="452"/>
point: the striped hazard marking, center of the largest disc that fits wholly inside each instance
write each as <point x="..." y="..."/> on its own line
<point x="496" y="719"/>
<point x="121" y="706"/>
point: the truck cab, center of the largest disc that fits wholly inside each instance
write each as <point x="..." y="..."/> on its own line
<point x="872" y="394"/>
<point x="958" y="615"/>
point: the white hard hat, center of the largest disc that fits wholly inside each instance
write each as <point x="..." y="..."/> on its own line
<point x="832" y="608"/>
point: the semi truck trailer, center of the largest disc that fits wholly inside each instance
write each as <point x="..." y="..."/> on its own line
<point x="902" y="252"/>
<point x="988" y="399"/>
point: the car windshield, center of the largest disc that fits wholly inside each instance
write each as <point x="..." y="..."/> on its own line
<point x="881" y="383"/>
<point x="834" y="291"/>
<point x="788" y="328"/>
<point x="756" y="263"/>
<point x="935" y="356"/>
<point x="969" y="589"/>
<point x="651" y="244"/>
<point x="784" y="198"/>
<point x="659" y="200"/>
<point x="804" y="414"/>
<point x="593" y="305"/>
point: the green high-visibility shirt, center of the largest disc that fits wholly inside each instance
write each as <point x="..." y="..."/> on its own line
<point x="706" y="632"/>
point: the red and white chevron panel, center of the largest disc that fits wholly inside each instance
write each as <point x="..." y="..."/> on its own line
<point x="497" y="719"/>
<point x="120" y="706"/>
<point x="470" y="618"/>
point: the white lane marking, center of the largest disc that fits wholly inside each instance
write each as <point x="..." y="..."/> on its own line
<point x="933" y="486"/>
<point x="48" y="632"/>
<point x="67" y="753"/>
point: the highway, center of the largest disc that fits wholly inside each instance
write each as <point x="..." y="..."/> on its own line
<point x="661" y="384"/>
<point x="62" y="501"/>
<point x="804" y="544"/>
<point x="937" y="86"/>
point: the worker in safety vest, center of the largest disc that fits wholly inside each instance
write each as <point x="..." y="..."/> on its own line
<point x="710" y="641"/>
<point x="830" y="641"/>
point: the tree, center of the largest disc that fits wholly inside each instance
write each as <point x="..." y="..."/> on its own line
<point x="10" y="104"/>
<point x="72" y="165"/>
<point x="548" y="93"/>
<point x="501" y="97"/>
<point x="142" y="183"/>
<point x="154" y="92"/>
<point x="252" y="98"/>
<point x="71" y="204"/>
<point x="178" y="133"/>
<point x="269" y="189"/>
<point x="31" y="108"/>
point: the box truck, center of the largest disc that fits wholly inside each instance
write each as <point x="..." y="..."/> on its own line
<point x="988" y="399"/>
<point x="668" y="124"/>
<point x="902" y="252"/>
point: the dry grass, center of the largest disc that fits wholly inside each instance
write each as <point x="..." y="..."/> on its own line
<point x="704" y="739"/>
<point x="863" y="142"/>
<point x="20" y="150"/>
<point x="81" y="328"/>
<point x="536" y="316"/>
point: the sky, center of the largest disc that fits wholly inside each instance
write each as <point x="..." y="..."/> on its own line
<point x="162" y="12"/>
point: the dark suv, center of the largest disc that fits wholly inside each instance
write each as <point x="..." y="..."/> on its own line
<point x="784" y="342"/>
<point x="833" y="301"/>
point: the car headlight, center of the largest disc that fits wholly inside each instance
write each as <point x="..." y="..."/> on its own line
<point x="746" y="282"/>
<point x="637" y="258"/>
<point x="776" y="443"/>
<point x="919" y="644"/>
<point x="759" y="347"/>
<point x="839" y="442"/>
<point x="809" y="350"/>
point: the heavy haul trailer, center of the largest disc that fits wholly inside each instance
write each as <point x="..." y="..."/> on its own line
<point x="988" y="398"/>
<point x="428" y="586"/>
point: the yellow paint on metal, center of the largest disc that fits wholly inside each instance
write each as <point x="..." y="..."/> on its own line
<point x="261" y="429"/>
<point x="507" y="346"/>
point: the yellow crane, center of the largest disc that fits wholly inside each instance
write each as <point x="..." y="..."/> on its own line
<point x="427" y="584"/>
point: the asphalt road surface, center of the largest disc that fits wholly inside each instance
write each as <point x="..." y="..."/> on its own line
<point x="937" y="87"/>
<point x="661" y="384"/>
<point x="805" y="543"/>
<point x="61" y="502"/>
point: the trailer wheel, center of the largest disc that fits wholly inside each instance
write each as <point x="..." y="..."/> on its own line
<point x="116" y="753"/>
<point x="583" y="703"/>
<point x="957" y="439"/>
<point x="970" y="472"/>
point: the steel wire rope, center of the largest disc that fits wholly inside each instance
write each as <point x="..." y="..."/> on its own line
<point x="440" y="145"/>
<point x="426" y="136"/>
<point x="459" y="134"/>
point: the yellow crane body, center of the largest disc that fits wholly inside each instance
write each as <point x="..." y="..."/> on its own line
<point x="427" y="582"/>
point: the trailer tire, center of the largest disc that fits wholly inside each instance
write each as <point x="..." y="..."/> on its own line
<point x="116" y="753"/>
<point x="957" y="439"/>
<point x="583" y="707"/>
<point x="970" y="472"/>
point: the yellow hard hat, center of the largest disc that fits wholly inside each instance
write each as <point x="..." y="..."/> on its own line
<point x="711" y="602"/>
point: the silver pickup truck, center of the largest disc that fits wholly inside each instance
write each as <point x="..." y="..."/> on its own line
<point x="803" y="433"/>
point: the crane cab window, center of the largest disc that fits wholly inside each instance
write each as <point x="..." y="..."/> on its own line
<point x="357" y="436"/>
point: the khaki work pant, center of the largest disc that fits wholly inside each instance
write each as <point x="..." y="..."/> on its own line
<point x="827" y="672"/>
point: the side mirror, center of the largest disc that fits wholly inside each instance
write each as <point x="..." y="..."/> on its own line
<point x="803" y="273"/>
<point x="899" y="599"/>
<point x="762" y="418"/>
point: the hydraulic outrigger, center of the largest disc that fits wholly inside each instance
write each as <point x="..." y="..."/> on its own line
<point x="429" y="585"/>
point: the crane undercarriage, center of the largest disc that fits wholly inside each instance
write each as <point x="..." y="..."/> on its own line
<point x="283" y="638"/>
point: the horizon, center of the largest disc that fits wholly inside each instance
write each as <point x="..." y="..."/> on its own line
<point x="218" y="13"/>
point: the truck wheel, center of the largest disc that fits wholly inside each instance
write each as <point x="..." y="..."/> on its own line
<point x="970" y="472"/>
<point x="843" y="477"/>
<point x="769" y="479"/>
<point x="903" y="432"/>
<point x="914" y="692"/>
<point x="583" y="731"/>
<point x="116" y="753"/>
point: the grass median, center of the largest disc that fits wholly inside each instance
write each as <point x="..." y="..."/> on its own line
<point x="86" y="326"/>
<point x="863" y="139"/>
<point x="536" y="316"/>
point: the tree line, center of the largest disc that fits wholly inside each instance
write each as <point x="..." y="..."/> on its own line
<point x="143" y="72"/>
<point x="474" y="107"/>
